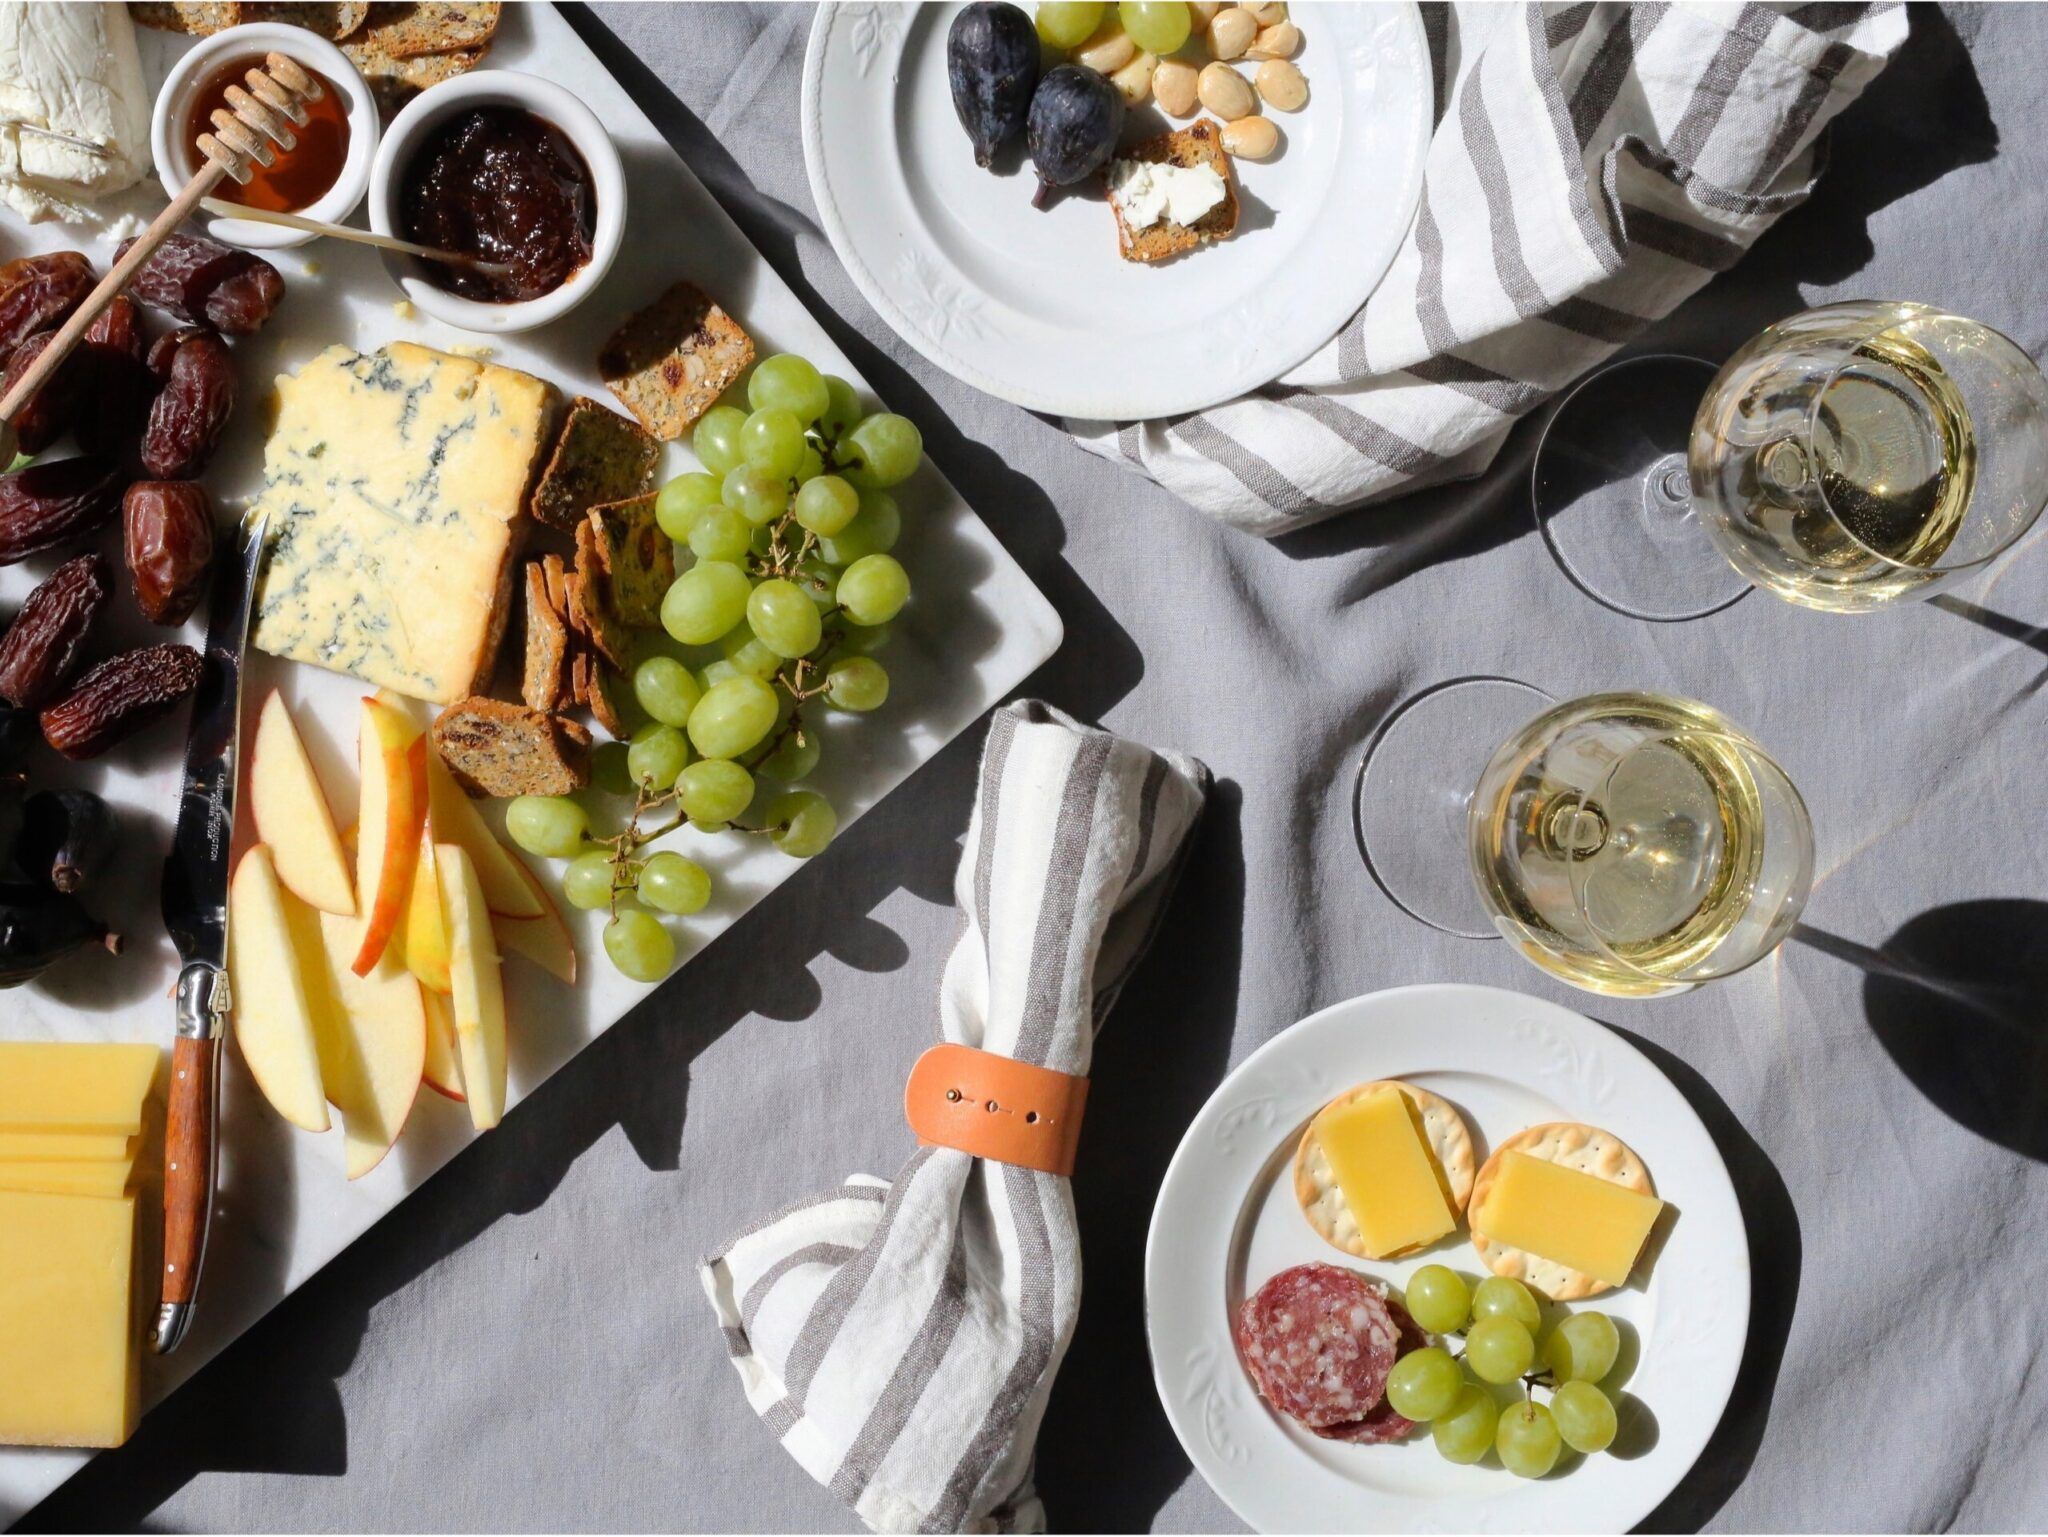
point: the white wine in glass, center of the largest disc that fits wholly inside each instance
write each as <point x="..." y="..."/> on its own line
<point x="1638" y="844"/>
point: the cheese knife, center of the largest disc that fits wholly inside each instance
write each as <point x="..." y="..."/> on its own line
<point x="195" y="904"/>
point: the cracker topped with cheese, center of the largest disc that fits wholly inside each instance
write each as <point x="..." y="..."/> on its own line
<point x="1384" y="1169"/>
<point x="1564" y="1208"/>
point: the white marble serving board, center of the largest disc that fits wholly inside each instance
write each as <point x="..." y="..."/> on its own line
<point x="976" y="629"/>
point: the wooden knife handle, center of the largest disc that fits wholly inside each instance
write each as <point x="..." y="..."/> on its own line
<point x="188" y="1163"/>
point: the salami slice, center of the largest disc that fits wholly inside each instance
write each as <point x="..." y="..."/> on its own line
<point x="1319" y="1342"/>
<point x="1380" y="1424"/>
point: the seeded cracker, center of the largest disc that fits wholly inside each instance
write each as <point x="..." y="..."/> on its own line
<point x="589" y="615"/>
<point x="197" y="20"/>
<point x="600" y="457"/>
<point x="545" y="685"/>
<point x="638" y="560"/>
<point x="331" y="21"/>
<point x="670" y="362"/>
<point x="1199" y="143"/>
<point x="407" y="31"/>
<point x="605" y="700"/>
<point x="498" y="749"/>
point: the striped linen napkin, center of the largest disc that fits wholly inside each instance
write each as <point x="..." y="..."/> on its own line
<point x="1592" y="166"/>
<point x="901" y="1339"/>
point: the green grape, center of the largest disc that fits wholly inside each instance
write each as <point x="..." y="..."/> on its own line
<point x="608" y="769"/>
<point x="1465" y="1434"/>
<point x="858" y="683"/>
<point x="639" y="946"/>
<point x="733" y="716"/>
<point x="1425" y="1383"/>
<point x="1527" y="1439"/>
<point x="787" y="382"/>
<point x="763" y="540"/>
<point x="713" y="673"/>
<point x="794" y="757"/>
<point x="758" y="495"/>
<point x="712" y="791"/>
<point x="1500" y="1296"/>
<point x="873" y="589"/>
<point x="683" y="500"/>
<point x="773" y="442"/>
<point x="863" y="639"/>
<point x="882" y="450"/>
<point x="842" y="409"/>
<point x="1439" y="1299"/>
<point x="720" y="533"/>
<point x="665" y="690"/>
<point x="1582" y="1348"/>
<point x="673" y="884"/>
<point x="1157" y="26"/>
<point x="826" y="505"/>
<point x="784" y="620"/>
<point x="818" y="581"/>
<point x="803" y="822"/>
<point x="1067" y="23"/>
<point x="549" y="825"/>
<point x="1585" y="1417"/>
<point x="1498" y="1349"/>
<point x="744" y="650"/>
<point x="810" y="466"/>
<point x="873" y="531"/>
<point x="656" y="755"/>
<point x="705" y="601"/>
<point x="587" y="883"/>
<point x="717" y="438"/>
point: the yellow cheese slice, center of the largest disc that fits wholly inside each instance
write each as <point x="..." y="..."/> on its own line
<point x="68" y="1327"/>
<point x="1393" y="1187"/>
<point x="1576" y="1219"/>
<point x="58" y="1177"/>
<point x="75" y="1086"/>
<point x="69" y="1146"/>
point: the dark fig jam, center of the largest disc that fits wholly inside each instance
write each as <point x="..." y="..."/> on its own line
<point x="505" y="185"/>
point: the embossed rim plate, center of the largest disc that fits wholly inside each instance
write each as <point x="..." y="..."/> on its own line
<point x="1036" y="307"/>
<point x="1226" y="1219"/>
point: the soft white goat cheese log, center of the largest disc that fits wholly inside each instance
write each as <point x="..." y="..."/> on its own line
<point x="72" y="68"/>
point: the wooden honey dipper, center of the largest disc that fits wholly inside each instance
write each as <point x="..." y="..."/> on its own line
<point x="264" y="115"/>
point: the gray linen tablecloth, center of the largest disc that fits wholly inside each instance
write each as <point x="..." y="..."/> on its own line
<point x="523" y="1344"/>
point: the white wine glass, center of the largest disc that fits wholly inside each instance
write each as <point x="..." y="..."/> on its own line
<point x="1843" y="458"/>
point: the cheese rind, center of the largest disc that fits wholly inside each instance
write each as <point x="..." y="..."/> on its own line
<point x="68" y="1327"/>
<point x="1575" y="1219"/>
<point x="395" y="485"/>
<point x="1383" y="1166"/>
<point x="73" y="1086"/>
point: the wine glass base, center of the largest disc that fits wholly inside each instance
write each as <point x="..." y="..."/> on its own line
<point x="1414" y="783"/>
<point x="1611" y="496"/>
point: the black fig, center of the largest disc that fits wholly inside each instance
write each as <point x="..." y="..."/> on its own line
<point x="65" y="836"/>
<point x="992" y="66"/>
<point x="1076" y="116"/>
<point x="39" y="926"/>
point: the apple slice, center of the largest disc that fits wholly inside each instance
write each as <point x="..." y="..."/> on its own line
<point x="274" y="1020"/>
<point x="444" y="1053"/>
<point x="373" y="1041"/>
<point x="452" y="817"/>
<point x="544" y="940"/>
<point x="479" y="994"/>
<point x="393" y="809"/>
<point x="426" y="929"/>
<point x="292" y="814"/>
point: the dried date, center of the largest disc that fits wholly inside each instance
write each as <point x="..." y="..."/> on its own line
<point x="40" y="650"/>
<point x="38" y="292"/>
<point x="164" y="350"/>
<point x="50" y="504"/>
<point x="201" y="280"/>
<point x="191" y="412"/>
<point x="119" y="697"/>
<point x="52" y="410"/>
<point x="116" y="386"/>
<point x="167" y="535"/>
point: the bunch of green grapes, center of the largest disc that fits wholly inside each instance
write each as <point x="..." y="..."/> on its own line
<point x="1500" y="1320"/>
<point x="786" y="590"/>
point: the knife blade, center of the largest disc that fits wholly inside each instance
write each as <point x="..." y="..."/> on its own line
<point x="195" y="908"/>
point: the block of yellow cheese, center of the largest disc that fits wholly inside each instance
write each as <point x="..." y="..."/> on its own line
<point x="1376" y="1149"/>
<point x="58" y="1177"/>
<point x="75" y="1086"/>
<point x="70" y="1146"/>
<point x="1578" y="1220"/>
<point x="68" y="1324"/>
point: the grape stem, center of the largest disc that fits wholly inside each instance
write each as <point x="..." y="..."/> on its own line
<point x="624" y="845"/>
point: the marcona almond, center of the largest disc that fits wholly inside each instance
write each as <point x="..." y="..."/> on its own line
<point x="1231" y="32"/>
<point x="1268" y="14"/>
<point x="1279" y="41"/>
<point x="1223" y="92"/>
<point x="1282" y="85"/>
<point x="1173" y="87"/>
<point x="1107" y="51"/>
<point x="1251" y="138"/>
<point x="1200" y="14"/>
<point x="1134" y="80"/>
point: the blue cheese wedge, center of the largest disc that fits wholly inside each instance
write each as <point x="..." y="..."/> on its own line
<point x="395" y="483"/>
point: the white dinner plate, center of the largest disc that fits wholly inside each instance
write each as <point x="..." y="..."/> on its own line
<point x="1036" y="307"/>
<point x="1227" y="1220"/>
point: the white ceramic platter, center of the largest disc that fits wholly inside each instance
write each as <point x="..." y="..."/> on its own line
<point x="1035" y="306"/>
<point x="1227" y="1220"/>
<point x="975" y="629"/>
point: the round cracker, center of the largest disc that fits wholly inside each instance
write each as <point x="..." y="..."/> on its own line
<point x="1315" y="1184"/>
<point x="1572" y="1145"/>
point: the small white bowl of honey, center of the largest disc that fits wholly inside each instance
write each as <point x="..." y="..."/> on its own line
<point x="324" y="176"/>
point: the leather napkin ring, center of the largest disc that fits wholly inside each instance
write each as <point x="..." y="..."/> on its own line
<point x="996" y="1107"/>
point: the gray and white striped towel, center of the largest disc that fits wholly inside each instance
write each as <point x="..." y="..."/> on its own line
<point x="1592" y="166"/>
<point x="900" y="1340"/>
